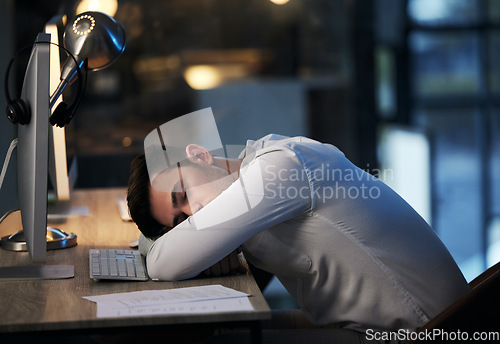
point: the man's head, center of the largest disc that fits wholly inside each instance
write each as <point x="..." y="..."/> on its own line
<point x="177" y="192"/>
<point x="138" y="199"/>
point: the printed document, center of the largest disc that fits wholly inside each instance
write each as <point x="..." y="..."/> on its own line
<point x="192" y="300"/>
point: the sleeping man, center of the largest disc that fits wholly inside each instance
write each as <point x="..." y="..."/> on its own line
<point x="346" y="247"/>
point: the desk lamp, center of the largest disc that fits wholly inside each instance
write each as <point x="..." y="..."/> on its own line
<point x="95" y="40"/>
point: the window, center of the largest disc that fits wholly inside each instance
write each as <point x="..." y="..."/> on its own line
<point x="448" y="85"/>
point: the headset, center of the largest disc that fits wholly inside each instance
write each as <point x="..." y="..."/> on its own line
<point x="18" y="112"/>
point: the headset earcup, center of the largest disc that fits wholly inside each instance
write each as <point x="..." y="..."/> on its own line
<point x="18" y="112"/>
<point x="59" y="115"/>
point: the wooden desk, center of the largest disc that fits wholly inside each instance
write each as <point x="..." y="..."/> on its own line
<point x="57" y="305"/>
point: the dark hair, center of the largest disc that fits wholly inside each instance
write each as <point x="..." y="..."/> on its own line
<point x="138" y="199"/>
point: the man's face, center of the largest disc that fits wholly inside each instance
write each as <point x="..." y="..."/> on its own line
<point x="191" y="188"/>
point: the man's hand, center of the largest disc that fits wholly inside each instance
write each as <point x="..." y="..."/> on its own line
<point x="227" y="265"/>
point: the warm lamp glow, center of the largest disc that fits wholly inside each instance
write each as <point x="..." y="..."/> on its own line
<point x="108" y="7"/>
<point x="202" y="77"/>
<point x="279" y="2"/>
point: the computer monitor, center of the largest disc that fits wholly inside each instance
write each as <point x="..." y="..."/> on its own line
<point x="61" y="180"/>
<point x="62" y="164"/>
<point x="32" y="168"/>
<point x="32" y="157"/>
<point x="94" y="41"/>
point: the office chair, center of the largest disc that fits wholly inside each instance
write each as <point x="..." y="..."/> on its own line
<point x="477" y="311"/>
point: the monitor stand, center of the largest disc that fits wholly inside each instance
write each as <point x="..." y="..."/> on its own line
<point x="56" y="239"/>
<point x="36" y="272"/>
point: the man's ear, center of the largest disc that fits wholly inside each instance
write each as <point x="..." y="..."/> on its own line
<point x="198" y="154"/>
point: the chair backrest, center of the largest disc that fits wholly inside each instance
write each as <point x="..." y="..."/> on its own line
<point x="485" y="275"/>
<point x="477" y="311"/>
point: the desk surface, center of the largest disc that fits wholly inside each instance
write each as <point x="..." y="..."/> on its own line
<point x="53" y="305"/>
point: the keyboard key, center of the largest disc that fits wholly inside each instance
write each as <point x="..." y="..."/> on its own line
<point x="113" y="267"/>
<point x="130" y="267"/>
<point x="122" y="270"/>
<point x="139" y="271"/>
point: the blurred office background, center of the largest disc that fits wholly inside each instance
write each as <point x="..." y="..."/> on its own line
<point x="408" y="89"/>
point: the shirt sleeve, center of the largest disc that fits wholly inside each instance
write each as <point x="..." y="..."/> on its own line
<point x="271" y="189"/>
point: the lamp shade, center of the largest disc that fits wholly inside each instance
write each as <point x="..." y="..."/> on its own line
<point x="95" y="36"/>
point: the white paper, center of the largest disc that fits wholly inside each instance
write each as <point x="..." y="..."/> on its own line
<point x="191" y="300"/>
<point x="196" y="307"/>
